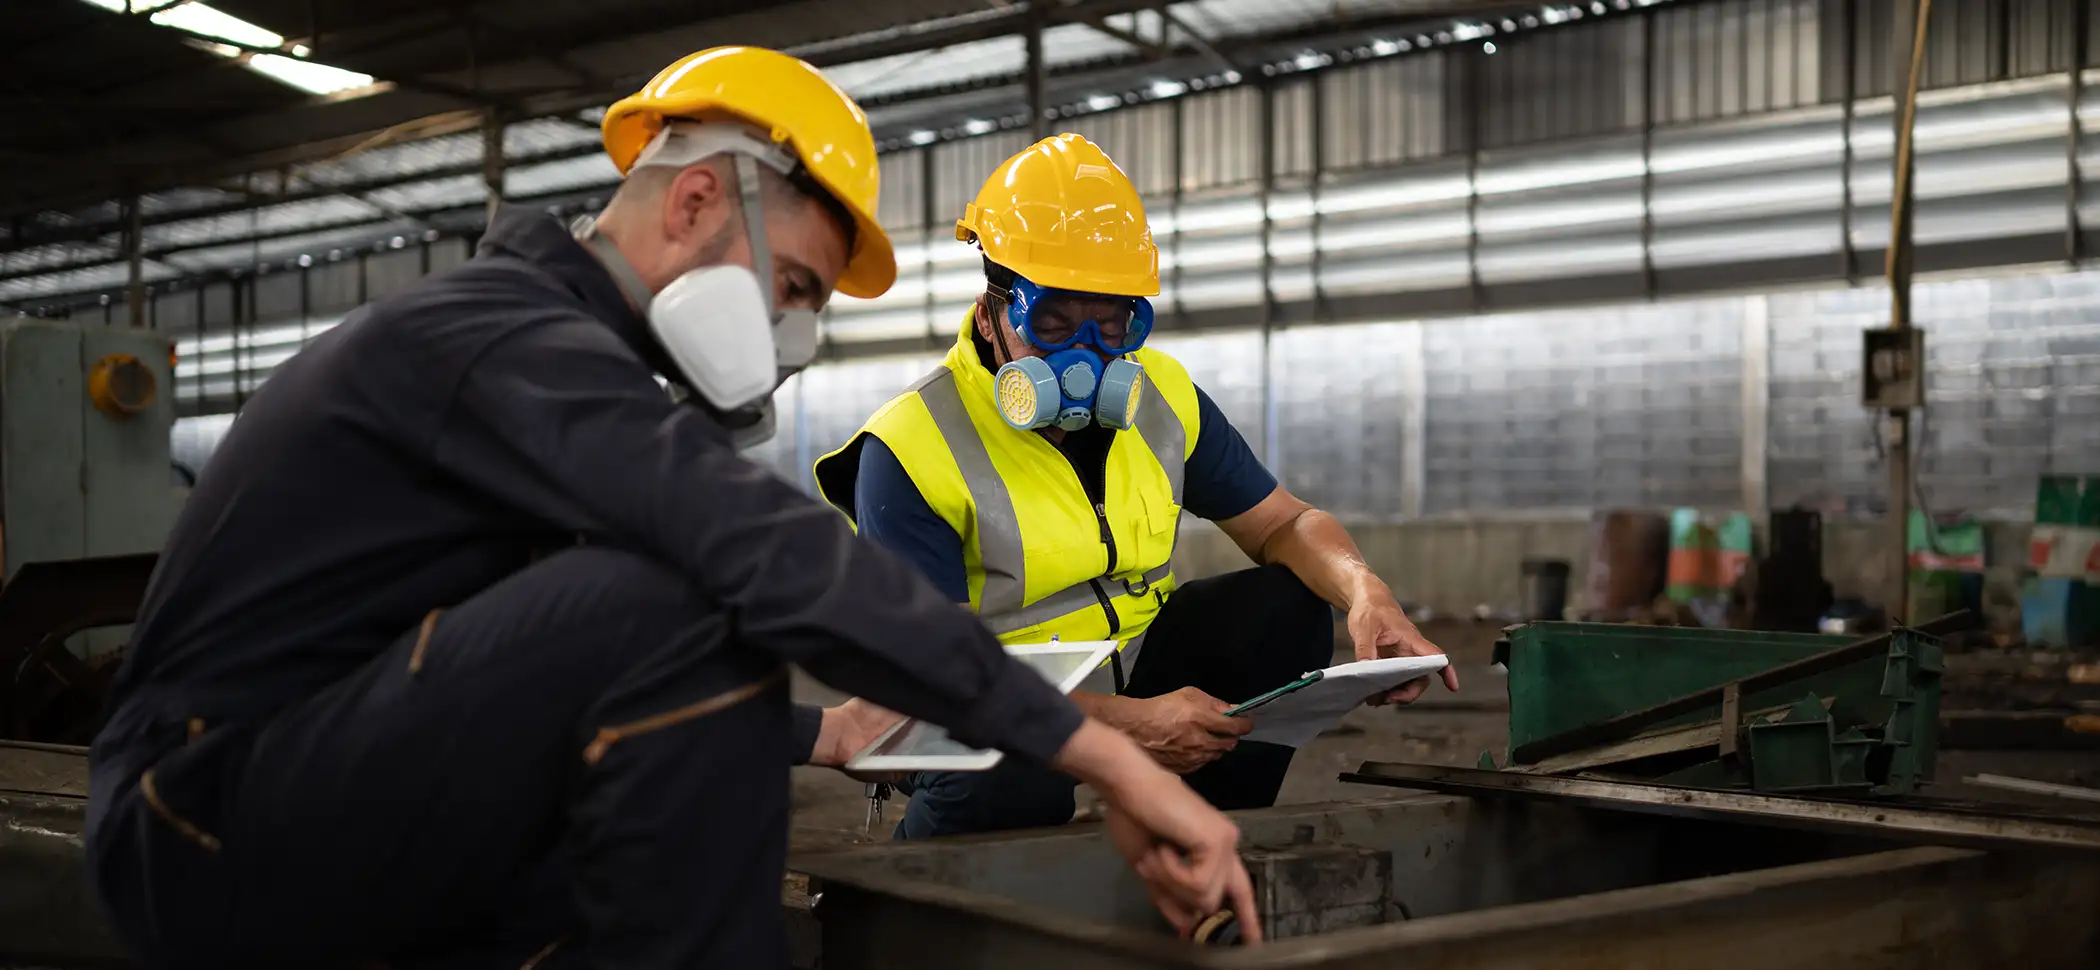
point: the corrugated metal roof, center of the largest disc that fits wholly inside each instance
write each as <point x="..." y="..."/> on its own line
<point x="960" y="64"/>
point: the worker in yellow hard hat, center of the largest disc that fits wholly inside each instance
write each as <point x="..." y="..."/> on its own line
<point x="1040" y="474"/>
<point x="469" y="648"/>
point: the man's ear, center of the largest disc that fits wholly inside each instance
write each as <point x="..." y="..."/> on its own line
<point x="984" y="318"/>
<point x="687" y="202"/>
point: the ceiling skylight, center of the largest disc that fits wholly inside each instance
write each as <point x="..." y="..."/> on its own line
<point x="208" y="26"/>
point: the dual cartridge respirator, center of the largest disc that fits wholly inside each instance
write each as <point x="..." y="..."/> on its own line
<point x="1085" y="376"/>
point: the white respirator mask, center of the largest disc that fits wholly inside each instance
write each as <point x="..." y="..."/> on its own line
<point x="731" y="347"/>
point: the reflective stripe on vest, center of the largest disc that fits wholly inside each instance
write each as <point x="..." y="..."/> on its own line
<point x="999" y="529"/>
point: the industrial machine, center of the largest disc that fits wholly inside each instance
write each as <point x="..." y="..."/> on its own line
<point x="1669" y="795"/>
<point x="86" y="502"/>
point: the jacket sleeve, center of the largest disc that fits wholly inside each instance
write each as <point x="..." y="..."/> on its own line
<point x="560" y="419"/>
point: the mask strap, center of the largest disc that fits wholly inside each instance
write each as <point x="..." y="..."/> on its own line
<point x="623" y="273"/>
<point x="753" y="210"/>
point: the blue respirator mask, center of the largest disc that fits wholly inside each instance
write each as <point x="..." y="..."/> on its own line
<point x="1085" y="377"/>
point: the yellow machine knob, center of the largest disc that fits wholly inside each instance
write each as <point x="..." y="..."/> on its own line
<point x="120" y="385"/>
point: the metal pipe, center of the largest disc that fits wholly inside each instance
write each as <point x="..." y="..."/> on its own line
<point x="1037" y="129"/>
<point x="1911" y="21"/>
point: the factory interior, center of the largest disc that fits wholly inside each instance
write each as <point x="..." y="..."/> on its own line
<point x="1715" y="382"/>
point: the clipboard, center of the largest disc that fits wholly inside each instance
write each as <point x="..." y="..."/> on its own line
<point x="1310" y="678"/>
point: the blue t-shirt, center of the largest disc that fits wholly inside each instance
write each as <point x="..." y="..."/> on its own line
<point x="1222" y="479"/>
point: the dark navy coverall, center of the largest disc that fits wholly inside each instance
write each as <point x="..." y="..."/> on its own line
<point x="469" y="644"/>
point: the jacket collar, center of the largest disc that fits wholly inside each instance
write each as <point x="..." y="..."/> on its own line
<point x="542" y="240"/>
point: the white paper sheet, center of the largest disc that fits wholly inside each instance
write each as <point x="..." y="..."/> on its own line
<point x="1300" y="716"/>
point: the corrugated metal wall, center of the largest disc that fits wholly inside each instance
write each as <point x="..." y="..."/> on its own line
<point x="1358" y="263"/>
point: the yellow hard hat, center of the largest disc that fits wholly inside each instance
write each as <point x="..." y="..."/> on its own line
<point x="800" y="108"/>
<point x="1062" y="215"/>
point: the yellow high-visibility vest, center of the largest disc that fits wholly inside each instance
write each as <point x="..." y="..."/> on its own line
<point x="1036" y="550"/>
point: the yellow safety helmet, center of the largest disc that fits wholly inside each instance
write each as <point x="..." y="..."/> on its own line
<point x="800" y="107"/>
<point x="1062" y="215"/>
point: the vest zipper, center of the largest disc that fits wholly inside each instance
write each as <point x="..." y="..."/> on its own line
<point x="1108" y="538"/>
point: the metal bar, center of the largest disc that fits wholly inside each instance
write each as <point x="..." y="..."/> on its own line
<point x="1627" y="725"/>
<point x="2034" y="787"/>
<point x="1034" y="43"/>
<point x="2074" y="230"/>
<point x="1912" y="19"/>
<point x="1881" y="820"/>
<point x="1196" y="39"/>
<point x="134" y="254"/>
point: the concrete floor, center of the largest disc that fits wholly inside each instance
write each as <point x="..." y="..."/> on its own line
<point x="1442" y="728"/>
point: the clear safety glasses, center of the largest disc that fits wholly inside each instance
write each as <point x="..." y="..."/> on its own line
<point x="1057" y="319"/>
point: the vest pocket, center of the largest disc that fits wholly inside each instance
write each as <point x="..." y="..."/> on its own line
<point x="1156" y="534"/>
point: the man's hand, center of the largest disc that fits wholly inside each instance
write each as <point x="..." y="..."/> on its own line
<point x="847" y="729"/>
<point x="1379" y="629"/>
<point x="1185" y="851"/>
<point x="1184" y="730"/>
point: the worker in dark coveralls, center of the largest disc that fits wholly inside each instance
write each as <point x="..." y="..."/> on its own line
<point x="468" y="650"/>
<point x="1039" y="476"/>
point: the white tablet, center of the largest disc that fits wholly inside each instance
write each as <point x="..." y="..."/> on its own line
<point x="913" y="745"/>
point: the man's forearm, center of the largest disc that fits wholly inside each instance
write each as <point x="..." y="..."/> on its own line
<point x="1113" y="710"/>
<point x="1315" y="547"/>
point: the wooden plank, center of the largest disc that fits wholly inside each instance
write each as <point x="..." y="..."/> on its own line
<point x="1626" y="725"/>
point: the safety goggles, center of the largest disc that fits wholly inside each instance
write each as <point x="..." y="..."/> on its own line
<point x="1053" y="320"/>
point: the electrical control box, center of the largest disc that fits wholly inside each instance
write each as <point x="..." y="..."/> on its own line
<point x="85" y="415"/>
<point x="1892" y="371"/>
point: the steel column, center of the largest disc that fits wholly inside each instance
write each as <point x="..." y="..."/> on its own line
<point x="2074" y="230"/>
<point x="1475" y="110"/>
<point x="1906" y="64"/>
<point x="1848" y="33"/>
<point x="1267" y="92"/>
<point x="1037" y="129"/>
<point x="134" y="255"/>
<point x="1648" y="155"/>
<point x="492" y="159"/>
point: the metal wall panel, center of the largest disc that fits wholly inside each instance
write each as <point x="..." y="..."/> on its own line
<point x="2013" y="392"/>
<point x="392" y="271"/>
<point x="447" y="253"/>
<point x="837" y="398"/>
<point x="1720" y="60"/>
<point x="901" y="205"/>
<point x="1622" y="406"/>
<point x="1228" y="366"/>
<point x="1383" y="113"/>
<point x="960" y="168"/>
<point x="1345" y="396"/>
<point x="1221" y="138"/>
<point x="277" y="295"/>
<point x="1140" y="139"/>
<point x="334" y="287"/>
<point x="1292" y="121"/>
